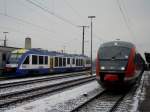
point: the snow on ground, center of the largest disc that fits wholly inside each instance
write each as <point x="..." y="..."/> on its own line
<point x="29" y="78"/>
<point x="46" y="104"/>
<point x="38" y="84"/>
<point x="140" y="93"/>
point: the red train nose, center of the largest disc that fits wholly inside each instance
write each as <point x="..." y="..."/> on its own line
<point x="111" y="77"/>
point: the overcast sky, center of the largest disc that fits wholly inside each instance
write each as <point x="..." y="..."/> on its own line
<point x="56" y="26"/>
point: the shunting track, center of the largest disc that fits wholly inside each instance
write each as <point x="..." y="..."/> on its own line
<point x="28" y="94"/>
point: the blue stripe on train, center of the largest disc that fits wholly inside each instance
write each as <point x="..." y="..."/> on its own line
<point x="24" y="72"/>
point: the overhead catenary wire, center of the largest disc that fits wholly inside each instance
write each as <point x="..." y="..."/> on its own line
<point x="125" y="18"/>
<point x="51" y="13"/>
<point x="26" y="22"/>
<point x="23" y="21"/>
<point x="74" y="10"/>
<point x="32" y="9"/>
<point x="45" y="9"/>
<point x="25" y="5"/>
<point x="125" y="11"/>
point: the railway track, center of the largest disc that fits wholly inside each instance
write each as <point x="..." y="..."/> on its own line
<point x="102" y="102"/>
<point x="28" y="94"/>
<point x="36" y="80"/>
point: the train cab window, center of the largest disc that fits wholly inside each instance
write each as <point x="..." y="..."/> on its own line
<point x="64" y="61"/>
<point x="41" y="60"/>
<point x="60" y="61"/>
<point x="34" y="59"/>
<point x="46" y="60"/>
<point x="26" y="61"/>
<point x="68" y="60"/>
<point x="56" y="61"/>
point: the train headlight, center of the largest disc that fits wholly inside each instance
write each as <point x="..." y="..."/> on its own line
<point x="102" y="67"/>
<point x="122" y="68"/>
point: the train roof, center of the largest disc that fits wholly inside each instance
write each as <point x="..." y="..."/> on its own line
<point x="46" y="52"/>
<point x="118" y="43"/>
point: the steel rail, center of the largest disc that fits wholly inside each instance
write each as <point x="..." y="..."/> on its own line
<point x="30" y="81"/>
<point x="89" y="100"/>
<point x="112" y="108"/>
<point x="20" y="96"/>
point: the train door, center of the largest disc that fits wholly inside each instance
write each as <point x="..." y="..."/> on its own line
<point x="51" y="62"/>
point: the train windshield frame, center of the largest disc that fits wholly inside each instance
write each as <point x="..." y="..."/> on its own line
<point x="14" y="58"/>
<point x="114" y="53"/>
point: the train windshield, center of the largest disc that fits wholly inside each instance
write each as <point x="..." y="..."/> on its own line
<point x="14" y="58"/>
<point x="114" y="53"/>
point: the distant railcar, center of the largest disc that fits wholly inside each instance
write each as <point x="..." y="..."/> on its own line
<point x="23" y="62"/>
<point x="118" y="64"/>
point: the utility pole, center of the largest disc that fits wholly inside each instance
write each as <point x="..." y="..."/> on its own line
<point x="5" y="44"/>
<point x="91" y="17"/>
<point x="83" y="38"/>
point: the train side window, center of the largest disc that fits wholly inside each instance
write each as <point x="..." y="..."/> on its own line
<point x="51" y="62"/>
<point x="77" y="62"/>
<point x="34" y="59"/>
<point x="4" y="57"/>
<point x="46" y="60"/>
<point x="56" y="61"/>
<point x="73" y="61"/>
<point x="87" y="61"/>
<point x="136" y="59"/>
<point x="64" y="61"/>
<point x="68" y="60"/>
<point x="60" y="61"/>
<point x="26" y="61"/>
<point x="81" y="62"/>
<point x="41" y="60"/>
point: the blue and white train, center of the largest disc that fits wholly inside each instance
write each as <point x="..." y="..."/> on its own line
<point x="23" y="62"/>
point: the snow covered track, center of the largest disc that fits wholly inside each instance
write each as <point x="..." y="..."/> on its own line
<point x="28" y="94"/>
<point x="7" y="84"/>
<point x="105" y="101"/>
<point x="85" y="103"/>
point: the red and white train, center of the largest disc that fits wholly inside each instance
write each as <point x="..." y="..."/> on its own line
<point x="118" y="64"/>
